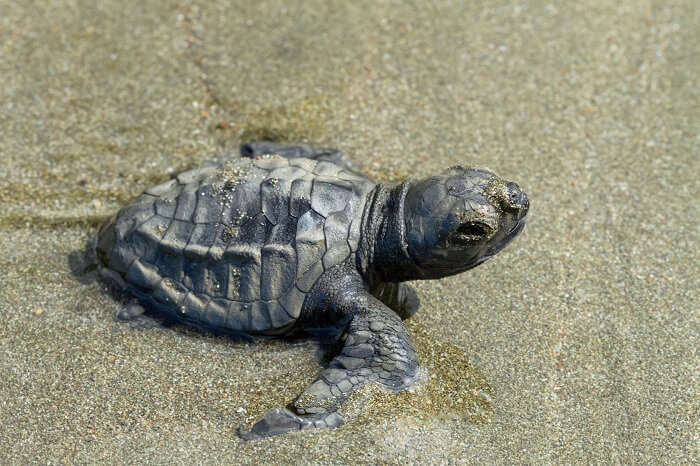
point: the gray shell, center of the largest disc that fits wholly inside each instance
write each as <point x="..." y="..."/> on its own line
<point x="236" y="245"/>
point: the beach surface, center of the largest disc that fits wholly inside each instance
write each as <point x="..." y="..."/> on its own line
<point x="576" y="344"/>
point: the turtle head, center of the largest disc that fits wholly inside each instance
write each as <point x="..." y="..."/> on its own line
<point x="460" y="219"/>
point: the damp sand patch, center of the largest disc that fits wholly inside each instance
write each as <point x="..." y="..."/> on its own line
<point x="449" y="388"/>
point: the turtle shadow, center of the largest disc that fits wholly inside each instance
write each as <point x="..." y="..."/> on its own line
<point x="82" y="263"/>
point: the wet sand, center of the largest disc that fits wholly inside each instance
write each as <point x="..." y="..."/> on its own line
<point x="577" y="344"/>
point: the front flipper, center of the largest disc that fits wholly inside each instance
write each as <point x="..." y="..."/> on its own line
<point x="377" y="349"/>
<point x="281" y="420"/>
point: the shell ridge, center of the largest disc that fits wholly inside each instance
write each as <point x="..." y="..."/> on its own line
<point x="196" y="204"/>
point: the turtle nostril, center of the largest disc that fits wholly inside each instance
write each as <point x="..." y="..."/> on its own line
<point x="524" y="203"/>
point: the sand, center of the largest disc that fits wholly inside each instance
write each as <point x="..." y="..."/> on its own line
<point x="577" y="344"/>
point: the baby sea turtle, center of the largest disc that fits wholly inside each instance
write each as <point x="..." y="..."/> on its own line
<point x="290" y="238"/>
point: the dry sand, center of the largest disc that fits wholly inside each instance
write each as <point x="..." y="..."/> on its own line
<point x="578" y="344"/>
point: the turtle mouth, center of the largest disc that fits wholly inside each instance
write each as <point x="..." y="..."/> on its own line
<point x="517" y="228"/>
<point x="493" y="250"/>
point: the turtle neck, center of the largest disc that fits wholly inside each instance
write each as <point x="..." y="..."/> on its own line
<point x="383" y="253"/>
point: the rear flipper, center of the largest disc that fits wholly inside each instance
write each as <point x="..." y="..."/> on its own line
<point x="134" y="314"/>
<point x="377" y="349"/>
<point x="281" y="420"/>
<point x="254" y="149"/>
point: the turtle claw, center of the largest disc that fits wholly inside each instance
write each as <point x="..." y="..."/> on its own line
<point x="280" y="421"/>
<point x="134" y="314"/>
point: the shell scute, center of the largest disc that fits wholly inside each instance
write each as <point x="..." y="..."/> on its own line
<point x="154" y="228"/>
<point x="176" y="237"/>
<point x="283" y="233"/>
<point x="141" y="245"/>
<point x="186" y="203"/>
<point x="196" y="276"/>
<point x="142" y="275"/>
<point x="330" y="195"/>
<point x="218" y="279"/>
<point x="274" y="199"/>
<point x="278" y="270"/>
<point x="161" y="189"/>
<point x="191" y="176"/>
<point x="300" y="197"/>
<point x="169" y="265"/>
<point x="292" y="301"/>
<point x="131" y="217"/>
<point x="310" y="242"/>
<point x="336" y="255"/>
<point x="244" y="286"/>
<point x="327" y="169"/>
<point x="308" y="279"/>
<point x="170" y="291"/>
<point x="253" y="231"/>
<point x="201" y="239"/>
<point x="165" y="207"/>
<point x="335" y="229"/>
<point x="288" y="173"/>
<point x="237" y="317"/>
<point x="279" y="318"/>
<point x="271" y="162"/>
<point x="192" y="304"/>
<point x="218" y="247"/>
<point x="259" y="317"/>
<point x="305" y="164"/>
<point x="209" y="207"/>
<point x="216" y="312"/>
<point x="121" y="258"/>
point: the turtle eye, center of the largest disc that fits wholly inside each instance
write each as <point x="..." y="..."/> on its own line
<point x="473" y="229"/>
